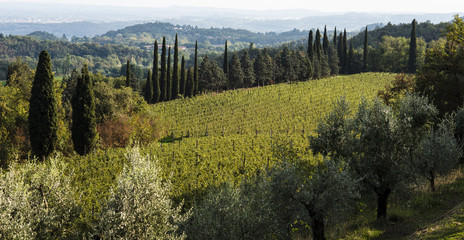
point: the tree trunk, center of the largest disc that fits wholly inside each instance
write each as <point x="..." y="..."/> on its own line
<point x="318" y="228"/>
<point x="432" y="182"/>
<point x="382" y="198"/>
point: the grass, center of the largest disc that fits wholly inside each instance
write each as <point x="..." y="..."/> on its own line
<point x="423" y="215"/>
<point x="2" y="82"/>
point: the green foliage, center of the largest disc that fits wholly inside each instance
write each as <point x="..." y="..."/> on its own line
<point x="412" y="62"/>
<point x="38" y="202"/>
<point x="235" y="74"/>
<point x="211" y="76"/>
<point x="163" y="73"/>
<point x="148" y="89"/>
<point x="156" y="77"/>
<point x="84" y="122"/>
<point x="442" y="76"/>
<point x="183" y="77"/>
<point x="169" y="85"/>
<point x="139" y="205"/>
<point x="43" y="122"/>
<point x="263" y="68"/>
<point x="175" y="72"/>
<point x="247" y="68"/>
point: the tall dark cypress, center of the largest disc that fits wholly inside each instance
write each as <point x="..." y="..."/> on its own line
<point x="128" y="74"/>
<point x="225" y="65"/>
<point x="412" y="62"/>
<point x="365" y="51"/>
<point x="350" y="60"/>
<point x="148" y="89"/>
<point x="43" y="120"/>
<point x="182" y="77"/>
<point x="340" y="51"/>
<point x="345" y="49"/>
<point x="163" y="83"/>
<point x="175" y="72"/>
<point x="247" y="68"/>
<point x="195" y="70"/>
<point x="168" y="76"/>
<point x="155" y="77"/>
<point x="325" y="41"/>
<point x="317" y="44"/>
<point x="84" y="123"/>
<point x="335" y="39"/>
<point x="189" y="86"/>
<point x="310" y="45"/>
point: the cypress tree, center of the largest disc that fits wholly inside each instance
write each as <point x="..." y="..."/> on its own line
<point x="412" y="62"/>
<point x="182" y="77"/>
<point x="317" y="44"/>
<point x="168" y="76"/>
<point x="325" y="41"/>
<point x="333" y="60"/>
<point x="155" y="77"/>
<point x="225" y="65"/>
<point x="163" y="83"/>
<point x="247" y="68"/>
<point x="350" y="60"/>
<point x="310" y="45"/>
<point x="195" y="71"/>
<point x="43" y="121"/>
<point x="340" y="51"/>
<point x="365" y="51"/>
<point x="148" y="89"/>
<point x="189" y="86"/>
<point x="236" y="74"/>
<point x="175" y="72"/>
<point x="128" y="74"/>
<point x="335" y="38"/>
<point x="345" y="49"/>
<point x="84" y="125"/>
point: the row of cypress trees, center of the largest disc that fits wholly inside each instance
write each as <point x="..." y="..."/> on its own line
<point x="163" y="84"/>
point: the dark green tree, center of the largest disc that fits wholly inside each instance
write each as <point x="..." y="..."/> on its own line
<point x="335" y="39"/>
<point x="317" y="44"/>
<point x="175" y="71"/>
<point x="412" y="63"/>
<point x="345" y="50"/>
<point x="285" y="64"/>
<point x="325" y="41"/>
<point x="189" y="86"/>
<point x="155" y="77"/>
<point x="148" y="89"/>
<point x="196" y="89"/>
<point x="340" y="52"/>
<point x="182" y="77"/>
<point x="365" y="52"/>
<point x="350" y="59"/>
<point x="235" y="74"/>
<point x="168" y="77"/>
<point x="211" y="77"/>
<point x="84" y="124"/>
<point x="43" y="121"/>
<point x="310" y="45"/>
<point x="225" y="65"/>
<point x="128" y="74"/>
<point x="247" y="68"/>
<point x="333" y="60"/>
<point x="262" y="67"/>
<point x="163" y="83"/>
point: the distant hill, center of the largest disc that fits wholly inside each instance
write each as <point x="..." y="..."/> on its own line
<point x="426" y="30"/>
<point x="40" y="35"/>
<point x="145" y="34"/>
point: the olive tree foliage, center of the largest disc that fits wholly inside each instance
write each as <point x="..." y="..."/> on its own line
<point x="321" y="193"/>
<point x="38" y="202"/>
<point x="242" y="211"/>
<point x="139" y="206"/>
<point x="438" y="152"/>
<point x="378" y="141"/>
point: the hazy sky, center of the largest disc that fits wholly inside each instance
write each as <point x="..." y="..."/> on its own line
<point x="440" y="6"/>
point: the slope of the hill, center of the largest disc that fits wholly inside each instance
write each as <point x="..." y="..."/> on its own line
<point x="217" y="137"/>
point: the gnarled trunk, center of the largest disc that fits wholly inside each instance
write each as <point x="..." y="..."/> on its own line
<point x="382" y="199"/>
<point x="318" y="228"/>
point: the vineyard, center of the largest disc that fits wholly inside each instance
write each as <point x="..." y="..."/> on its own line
<point x="220" y="137"/>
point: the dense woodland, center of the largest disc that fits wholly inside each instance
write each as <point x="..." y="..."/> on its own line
<point x="98" y="156"/>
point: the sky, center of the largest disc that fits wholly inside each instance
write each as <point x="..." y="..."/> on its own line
<point x="426" y="6"/>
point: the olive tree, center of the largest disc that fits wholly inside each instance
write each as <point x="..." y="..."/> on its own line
<point x="139" y="206"/>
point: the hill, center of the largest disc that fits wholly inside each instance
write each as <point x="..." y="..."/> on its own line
<point x="217" y="137"/>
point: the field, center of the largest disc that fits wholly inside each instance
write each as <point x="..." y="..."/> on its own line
<point x="224" y="136"/>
